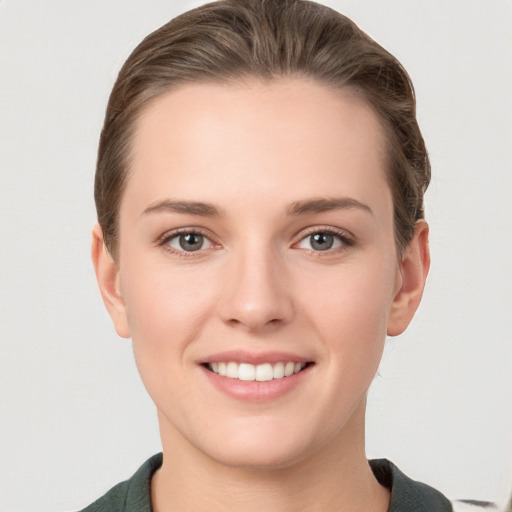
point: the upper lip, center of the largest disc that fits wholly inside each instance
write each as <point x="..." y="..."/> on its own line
<point x="245" y="356"/>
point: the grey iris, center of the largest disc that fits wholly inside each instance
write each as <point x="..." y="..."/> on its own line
<point x="322" y="241"/>
<point x="191" y="241"/>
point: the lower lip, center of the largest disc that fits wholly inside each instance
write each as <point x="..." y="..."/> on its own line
<point x="256" y="391"/>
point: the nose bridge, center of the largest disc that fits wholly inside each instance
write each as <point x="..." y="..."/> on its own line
<point x="256" y="291"/>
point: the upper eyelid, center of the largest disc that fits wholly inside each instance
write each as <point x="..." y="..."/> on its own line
<point x="343" y="233"/>
<point x="346" y="239"/>
<point x="169" y="235"/>
<point x="163" y="243"/>
<point x="301" y="235"/>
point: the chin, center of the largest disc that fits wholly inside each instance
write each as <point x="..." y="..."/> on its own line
<point x="260" y="449"/>
<point x="257" y="458"/>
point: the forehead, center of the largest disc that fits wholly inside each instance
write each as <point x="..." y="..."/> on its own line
<point x="275" y="141"/>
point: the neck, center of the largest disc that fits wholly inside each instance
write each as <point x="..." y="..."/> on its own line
<point x="336" y="478"/>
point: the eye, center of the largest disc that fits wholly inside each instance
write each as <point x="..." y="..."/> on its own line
<point x="188" y="241"/>
<point x="324" y="240"/>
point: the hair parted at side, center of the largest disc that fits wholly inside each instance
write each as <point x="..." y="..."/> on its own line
<point x="231" y="40"/>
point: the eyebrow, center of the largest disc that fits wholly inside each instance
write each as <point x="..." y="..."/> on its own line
<point x="304" y="207"/>
<point x="319" y="205"/>
<point x="188" y="207"/>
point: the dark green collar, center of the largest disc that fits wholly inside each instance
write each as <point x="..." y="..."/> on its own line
<point x="408" y="495"/>
<point x="134" y="495"/>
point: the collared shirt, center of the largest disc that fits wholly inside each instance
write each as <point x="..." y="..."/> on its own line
<point x="134" y="495"/>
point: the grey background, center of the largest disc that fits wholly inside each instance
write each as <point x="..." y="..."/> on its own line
<point x="74" y="418"/>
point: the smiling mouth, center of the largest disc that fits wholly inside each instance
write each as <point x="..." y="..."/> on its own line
<point x="260" y="373"/>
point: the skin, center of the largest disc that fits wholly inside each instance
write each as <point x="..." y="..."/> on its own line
<point x="258" y="285"/>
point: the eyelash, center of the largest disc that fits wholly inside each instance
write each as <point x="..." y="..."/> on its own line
<point x="165" y="239"/>
<point x="344" y="238"/>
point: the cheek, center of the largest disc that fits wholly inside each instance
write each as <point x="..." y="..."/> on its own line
<point x="350" y="305"/>
<point x="166" y="312"/>
<point x="166" y="308"/>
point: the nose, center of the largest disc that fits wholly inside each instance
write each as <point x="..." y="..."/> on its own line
<point x="256" y="294"/>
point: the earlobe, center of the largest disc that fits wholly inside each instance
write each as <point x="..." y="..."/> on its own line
<point x="414" y="267"/>
<point x="107" y="275"/>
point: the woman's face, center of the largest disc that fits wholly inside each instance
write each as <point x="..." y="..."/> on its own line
<point x="256" y="238"/>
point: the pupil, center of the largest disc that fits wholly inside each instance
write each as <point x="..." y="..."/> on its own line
<point x="191" y="242"/>
<point x="322" y="241"/>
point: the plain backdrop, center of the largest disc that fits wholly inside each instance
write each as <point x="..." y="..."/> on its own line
<point x="74" y="417"/>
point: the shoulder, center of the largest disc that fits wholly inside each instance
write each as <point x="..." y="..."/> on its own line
<point x="407" y="494"/>
<point x="131" y="495"/>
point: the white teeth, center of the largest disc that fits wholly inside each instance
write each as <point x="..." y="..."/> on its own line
<point x="246" y="371"/>
<point x="261" y="372"/>
<point x="278" y="371"/>
<point x="232" y="370"/>
<point x="264" y="372"/>
<point x="288" y="369"/>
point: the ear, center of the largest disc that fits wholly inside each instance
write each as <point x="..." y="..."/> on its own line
<point x="414" y="267"/>
<point x="107" y="275"/>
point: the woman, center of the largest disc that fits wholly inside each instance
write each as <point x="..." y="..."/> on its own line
<point x="259" y="191"/>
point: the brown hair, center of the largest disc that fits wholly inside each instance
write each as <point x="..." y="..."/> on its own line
<point x="229" y="40"/>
